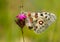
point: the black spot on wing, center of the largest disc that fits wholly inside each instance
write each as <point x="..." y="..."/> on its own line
<point x="30" y="27"/>
<point x="35" y="28"/>
<point x="41" y="14"/>
<point x="45" y="12"/>
<point x="45" y="16"/>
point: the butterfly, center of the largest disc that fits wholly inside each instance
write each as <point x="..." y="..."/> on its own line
<point x="40" y="21"/>
<point x="36" y="21"/>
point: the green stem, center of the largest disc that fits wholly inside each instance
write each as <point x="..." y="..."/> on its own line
<point x="23" y="35"/>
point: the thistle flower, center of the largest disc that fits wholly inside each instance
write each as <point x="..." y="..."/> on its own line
<point x="21" y="20"/>
<point x="21" y="16"/>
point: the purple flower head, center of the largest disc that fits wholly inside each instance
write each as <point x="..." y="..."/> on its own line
<point x="21" y="20"/>
<point x="21" y="16"/>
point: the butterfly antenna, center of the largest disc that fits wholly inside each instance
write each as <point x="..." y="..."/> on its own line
<point x="21" y="5"/>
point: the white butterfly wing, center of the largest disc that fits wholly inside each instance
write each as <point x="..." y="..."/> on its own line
<point x="46" y="17"/>
<point x="47" y="22"/>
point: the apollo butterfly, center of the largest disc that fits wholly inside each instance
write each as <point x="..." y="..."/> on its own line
<point x="37" y="21"/>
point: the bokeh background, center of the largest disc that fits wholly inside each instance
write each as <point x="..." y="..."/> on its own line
<point x="10" y="31"/>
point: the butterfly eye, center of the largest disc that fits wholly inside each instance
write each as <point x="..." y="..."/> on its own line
<point x="40" y="22"/>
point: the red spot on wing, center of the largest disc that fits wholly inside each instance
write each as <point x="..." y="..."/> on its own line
<point x="36" y="15"/>
<point x="41" y="22"/>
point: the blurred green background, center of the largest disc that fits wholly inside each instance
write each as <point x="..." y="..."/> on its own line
<point x="10" y="31"/>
